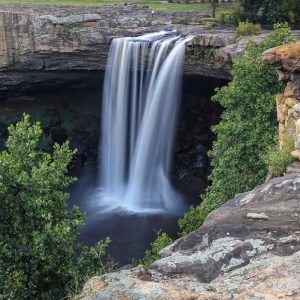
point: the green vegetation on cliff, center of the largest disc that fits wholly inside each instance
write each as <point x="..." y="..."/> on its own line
<point x="152" y="254"/>
<point x="247" y="129"/>
<point x="39" y="256"/>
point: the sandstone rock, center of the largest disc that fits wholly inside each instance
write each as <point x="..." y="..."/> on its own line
<point x="39" y="40"/>
<point x="257" y="216"/>
<point x="294" y="167"/>
<point x="297" y="123"/>
<point x="291" y="101"/>
<point x="282" y="129"/>
<point x="283" y="76"/>
<point x="286" y="57"/>
<point x="297" y="143"/>
<point x="297" y="108"/>
<point x="290" y="112"/>
<point x="296" y="154"/>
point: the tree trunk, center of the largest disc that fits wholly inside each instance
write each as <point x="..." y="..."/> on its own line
<point x="214" y="5"/>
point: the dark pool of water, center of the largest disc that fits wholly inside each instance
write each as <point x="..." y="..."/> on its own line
<point x="131" y="234"/>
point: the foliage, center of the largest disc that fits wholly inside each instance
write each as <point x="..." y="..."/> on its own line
<point x="247" y="28"/>
<point x="278" y="158"/>
<point x="37" y="232"/>
<point x="271" y="11"/>
<point x="236" y="16"/>
<point x="162" y="241"/>
<point x="183" y="21"/>
<point x="224" y="18"/>
<point x="247" y="128"/>
<point x="292" y="9"/>
<point x="198" y="52"/>
<point x="214" y="5"/>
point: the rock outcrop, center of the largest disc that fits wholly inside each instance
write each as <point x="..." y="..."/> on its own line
<point x="249" y="248"/>
<point x="286" y="60"/>
<point x="46" y="46"/>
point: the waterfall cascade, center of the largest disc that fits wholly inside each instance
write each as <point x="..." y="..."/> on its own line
<point x="140" y="104"/>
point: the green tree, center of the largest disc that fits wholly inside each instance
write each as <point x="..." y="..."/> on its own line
<point x="214" y="4"/>
<point x="37" y="232"/>
<point x="247" y="128"/>
<point x="292" y="9"/>
<point x="264" y="11"/>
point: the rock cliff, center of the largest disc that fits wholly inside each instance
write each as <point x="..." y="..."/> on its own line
<point x="44" y="45"/>
<point x="286" y="60"/>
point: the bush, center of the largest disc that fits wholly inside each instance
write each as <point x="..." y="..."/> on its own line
<point x="152" y="254"/>
<point x="38" y="253"/>
<point x="223" y="18"/>
<point x="247" y="128"/>
<point x="182" y="21"/>
<point x="246" y="29"/>
<point x="267" y="12"/>
<point x="292" y="9"/>
<point x="236" y="16"/>
<point x="278" y="158"/>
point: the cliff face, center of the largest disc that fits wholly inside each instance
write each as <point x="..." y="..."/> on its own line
<point x="50" y="45"/>
<point x="286" y="60"/>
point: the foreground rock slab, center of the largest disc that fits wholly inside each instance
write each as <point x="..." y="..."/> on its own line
<point x="231" y="256"/>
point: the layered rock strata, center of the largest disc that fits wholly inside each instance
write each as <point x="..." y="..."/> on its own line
<point x="286" y="60"/>
<point x="46" y="45"/>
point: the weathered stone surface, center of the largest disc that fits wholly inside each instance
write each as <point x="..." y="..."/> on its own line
<point x="38" y="39"/>
<point x="231" y="256"/>
<point x="284" y="57"/>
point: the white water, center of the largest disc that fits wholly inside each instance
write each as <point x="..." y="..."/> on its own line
<point x="140" y="104"/>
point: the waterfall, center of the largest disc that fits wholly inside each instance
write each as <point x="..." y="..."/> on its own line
<point x="140" y="105"/>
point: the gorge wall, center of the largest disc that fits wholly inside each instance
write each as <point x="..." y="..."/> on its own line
<point x="286" y="60"/>
<point x="47" y="46"/>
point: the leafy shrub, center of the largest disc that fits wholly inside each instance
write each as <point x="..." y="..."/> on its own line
<point x="183" y="21"/>
<point x="247" y="128"/>
<point x="152" y="254"/>
<point x="247" y="28"/>
<point x="38" y="252"/>
<point x="224" y="18"/>
<point x="236" y="16"/>
<point x="271" y="11"/>
<point x="198" y="52"/>
<point x="292" y="9"/>
<point x="207" y="20"/>
<point x="278" y="158"/>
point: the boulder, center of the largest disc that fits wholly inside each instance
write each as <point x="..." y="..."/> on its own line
<point x="284" y="57"/>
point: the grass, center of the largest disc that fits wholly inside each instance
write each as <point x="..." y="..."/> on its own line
<point x="154" y="4"/>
